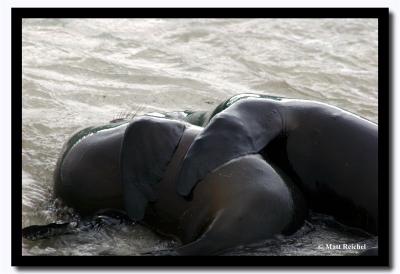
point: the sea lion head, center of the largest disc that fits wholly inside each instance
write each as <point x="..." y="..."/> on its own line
<point x="116" y="165"/>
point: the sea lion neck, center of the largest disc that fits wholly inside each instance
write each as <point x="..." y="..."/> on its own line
<point x="175" y="165"/>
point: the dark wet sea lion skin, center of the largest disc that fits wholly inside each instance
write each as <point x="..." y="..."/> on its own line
<point x="197" y="222"/>
<point x="240" y="194"/>
<point x="244" y="195"/>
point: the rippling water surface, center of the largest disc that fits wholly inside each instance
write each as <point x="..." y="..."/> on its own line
<point x="82" y="72"/>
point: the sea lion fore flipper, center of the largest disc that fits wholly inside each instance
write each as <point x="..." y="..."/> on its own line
<point x="245" y="127"/>
<point x="147" y="148"/>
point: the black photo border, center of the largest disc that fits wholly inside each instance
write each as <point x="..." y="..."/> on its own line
<point x="382" y="14"/>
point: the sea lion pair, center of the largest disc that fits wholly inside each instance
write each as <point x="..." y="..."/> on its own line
<point x="252" y="172"/>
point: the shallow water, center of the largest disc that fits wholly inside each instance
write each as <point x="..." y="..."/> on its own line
<point x="80" y="72"/>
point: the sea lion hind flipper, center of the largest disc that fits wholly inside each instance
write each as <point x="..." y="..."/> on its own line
<point x="212" y="242"/>
<point x="245" y="127"/>
<point x="224" y="233"/>
<point x="38" y="232"/>
<point x="106" y="217"/>
<point x="147" y="148"/>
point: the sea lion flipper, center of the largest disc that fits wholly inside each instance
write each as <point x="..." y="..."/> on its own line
<point x="245" y="127"/>
<point x="148" y="146"/>
<point x="37" y="232"/>
<point x="107" y="217"/>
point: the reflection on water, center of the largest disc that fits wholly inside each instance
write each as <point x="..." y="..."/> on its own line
<point x="81" y="72"/>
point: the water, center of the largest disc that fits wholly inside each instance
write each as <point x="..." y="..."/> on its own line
<point x="81" y="72"/>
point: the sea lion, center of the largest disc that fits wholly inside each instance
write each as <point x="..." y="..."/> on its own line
<point x="330" y="153"/>
<point x="249" y="168"/>
<point x="134" y="166"/>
